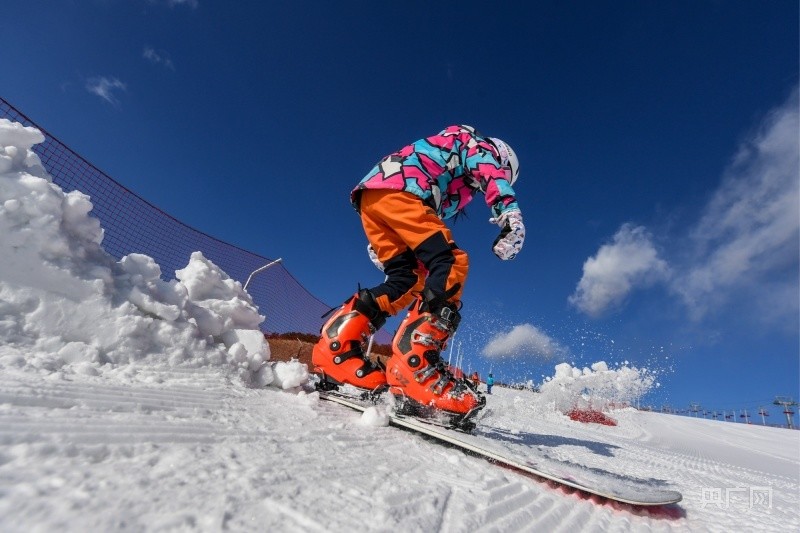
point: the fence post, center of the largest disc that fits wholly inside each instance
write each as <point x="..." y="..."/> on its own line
<point x="256" y="271"/>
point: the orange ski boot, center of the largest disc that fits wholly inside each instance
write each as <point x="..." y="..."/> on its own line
<point x="416" y="371"/>
<point x="339" y="355"/>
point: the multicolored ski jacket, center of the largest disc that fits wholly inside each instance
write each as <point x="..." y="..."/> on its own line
<point x="445" y="170"/>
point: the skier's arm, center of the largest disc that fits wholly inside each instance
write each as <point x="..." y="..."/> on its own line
<point x="492" y="179"/>
<point x="489" y="176"/>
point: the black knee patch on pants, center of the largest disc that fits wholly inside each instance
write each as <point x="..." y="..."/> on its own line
<point x="437" y="256"/>
<point x="400" y="276"/>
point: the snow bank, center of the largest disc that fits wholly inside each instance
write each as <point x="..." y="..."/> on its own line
<point x="67" y="306"/>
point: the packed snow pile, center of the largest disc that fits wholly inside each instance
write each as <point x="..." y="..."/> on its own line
<point x="597" y="388"/>
<point x="68" y="306"/>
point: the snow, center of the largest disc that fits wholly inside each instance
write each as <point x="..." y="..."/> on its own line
<point x="67" y="306"/>
<point x="598" y="387"/>
<point x="132" y="403"/>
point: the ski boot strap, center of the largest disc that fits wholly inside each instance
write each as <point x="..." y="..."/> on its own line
<point x="367" y="305"/>
<point x="446" y="312"/>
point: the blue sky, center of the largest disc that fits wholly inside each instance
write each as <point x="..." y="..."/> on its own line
<point x="656" y="140"/>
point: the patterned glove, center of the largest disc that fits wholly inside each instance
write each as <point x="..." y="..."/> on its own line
<point x="512" y="235"/>
<point x="374" y="257"/>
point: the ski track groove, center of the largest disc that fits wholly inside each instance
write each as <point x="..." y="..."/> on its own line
<point x="506" y="501"/>
<point x="540" y="514"/>
<point x="177" y="397"/>
<point x="689" y="456"/>
<point x="518" y="513"/>
<point x="84" y="413"/>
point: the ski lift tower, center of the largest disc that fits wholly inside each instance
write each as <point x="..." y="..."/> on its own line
<point x="694" y="408"/>
<point x="746" y="416"/>
<point x="763" y="412"/>
<point x="787" y="404"/>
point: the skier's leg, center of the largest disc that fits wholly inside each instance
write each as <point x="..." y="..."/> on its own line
<point x="405" y="277"/>
<point x="390" y="221"/>
<point x="394" y="223"/>
<point x="447" y="266"/>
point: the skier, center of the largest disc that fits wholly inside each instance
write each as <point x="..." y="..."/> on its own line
<point x="403" y="201"/>
<point x="476" y="379"/>
<point x="489" y="383"/>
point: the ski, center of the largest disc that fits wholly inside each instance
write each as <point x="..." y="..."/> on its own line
<point x="588" y="480"/>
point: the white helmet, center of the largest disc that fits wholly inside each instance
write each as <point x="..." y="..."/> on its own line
<point x="507" y="157"/>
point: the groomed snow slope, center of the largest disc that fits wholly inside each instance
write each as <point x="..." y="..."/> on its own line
<point x="157" y="448"/>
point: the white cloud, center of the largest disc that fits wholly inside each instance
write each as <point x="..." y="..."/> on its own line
<point x="743" y="250"/>
<point x="523" y="340"/>
<point x="746" y="241"/>
<point x="158" y="58"/>
<point x="630" y="261"/>
<point x="104" y="87"/>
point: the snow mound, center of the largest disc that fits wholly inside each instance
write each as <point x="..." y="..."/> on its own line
<point x="597" y="388"/>
<point x="290" y="374"/>
<point x="68" y="306"/>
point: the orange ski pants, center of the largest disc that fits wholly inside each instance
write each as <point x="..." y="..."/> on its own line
<point x="402" y="230"/>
